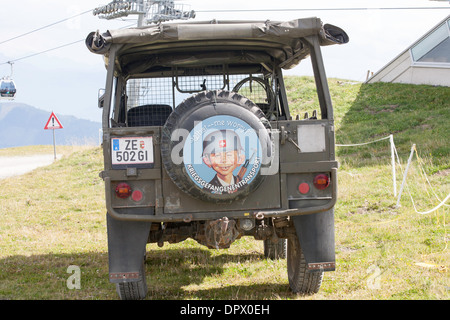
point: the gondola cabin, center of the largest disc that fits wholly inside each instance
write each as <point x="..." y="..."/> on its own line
<point x="7" y="89"/>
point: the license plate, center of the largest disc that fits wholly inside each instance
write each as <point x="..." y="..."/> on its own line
<point x="132" y="152"/>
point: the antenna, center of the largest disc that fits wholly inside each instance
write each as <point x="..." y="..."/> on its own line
<point x="148" y="11"/>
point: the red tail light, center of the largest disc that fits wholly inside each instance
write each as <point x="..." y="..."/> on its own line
<point x="321" y="181"/>
<point x="123" y="190"/>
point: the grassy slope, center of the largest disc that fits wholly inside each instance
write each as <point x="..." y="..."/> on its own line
<point x="412" y="113"/>
<point x="54" y="217"/>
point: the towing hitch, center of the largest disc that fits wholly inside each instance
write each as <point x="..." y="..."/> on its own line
<point x="220" y="233"/>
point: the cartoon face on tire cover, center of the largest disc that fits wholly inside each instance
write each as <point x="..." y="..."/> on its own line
<point x="222" y="154"/>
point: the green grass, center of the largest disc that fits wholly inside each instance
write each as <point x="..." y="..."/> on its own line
<point x="54" y="217"/>
<point x="366" y="112"/>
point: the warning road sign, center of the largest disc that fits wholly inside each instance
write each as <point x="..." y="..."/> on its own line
<point x="53" y="123"/>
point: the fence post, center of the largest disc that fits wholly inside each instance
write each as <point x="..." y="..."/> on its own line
<point x="404" y="176"/>
<point x="394" y="180"/>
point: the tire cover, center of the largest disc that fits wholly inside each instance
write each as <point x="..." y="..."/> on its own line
<point x="212" y="135"/>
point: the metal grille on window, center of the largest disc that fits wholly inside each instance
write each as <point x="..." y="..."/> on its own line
<point x="191" y="80"/>
<point x="149" y="101"/>
<point x="257" y="89"/>
<point x="253" y="88"/>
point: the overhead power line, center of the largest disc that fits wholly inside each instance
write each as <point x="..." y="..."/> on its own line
<point x="44" y="27"/>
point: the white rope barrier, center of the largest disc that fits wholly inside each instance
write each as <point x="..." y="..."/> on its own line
<point x="362" y="144"/>
<point x="426" y="178"/>
<point x="434" y="209"/>
<point x="391" y="140"/>
<point x="405" y="175"/>
<point x="394" y="155"/>
<point x="442" y="203"/>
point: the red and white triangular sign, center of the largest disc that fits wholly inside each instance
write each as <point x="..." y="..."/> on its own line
<point x="53" y="123"/>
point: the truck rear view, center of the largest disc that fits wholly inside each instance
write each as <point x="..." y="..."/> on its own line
<point x="199" y="143"/>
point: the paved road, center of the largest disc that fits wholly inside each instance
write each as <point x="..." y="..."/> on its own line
<point x="14" y="166"/>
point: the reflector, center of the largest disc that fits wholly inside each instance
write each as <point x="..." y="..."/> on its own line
<point x="303" y="188"/>
<point x="137" y="195"/>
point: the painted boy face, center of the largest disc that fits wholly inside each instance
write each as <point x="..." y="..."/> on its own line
<point x="224" y="163"/>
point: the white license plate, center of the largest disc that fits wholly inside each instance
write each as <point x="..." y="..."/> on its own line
<point x="132" y="151"/>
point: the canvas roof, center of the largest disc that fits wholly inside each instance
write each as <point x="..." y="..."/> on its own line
<point x="234" y="41"/>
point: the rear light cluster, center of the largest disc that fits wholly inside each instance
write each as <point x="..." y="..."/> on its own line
<point x="124" y="191"/>
<point x="320" y="182"/>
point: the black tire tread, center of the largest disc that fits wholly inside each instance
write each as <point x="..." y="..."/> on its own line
<point x="275" y="250"/>
<point x="301" y="280"/>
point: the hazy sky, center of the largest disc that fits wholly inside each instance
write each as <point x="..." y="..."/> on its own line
<point x="67" y="80"/>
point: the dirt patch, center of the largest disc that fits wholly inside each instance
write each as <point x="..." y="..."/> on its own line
<point x="443" y="173"/>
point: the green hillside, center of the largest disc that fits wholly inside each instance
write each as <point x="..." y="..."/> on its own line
<point x="414" y="114"/>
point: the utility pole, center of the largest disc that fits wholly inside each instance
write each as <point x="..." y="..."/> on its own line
<point x="148" y="11"/>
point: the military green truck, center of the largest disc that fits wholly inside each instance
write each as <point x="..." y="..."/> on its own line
<point x="199" y="142"/>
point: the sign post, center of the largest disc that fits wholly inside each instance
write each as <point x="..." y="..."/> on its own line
<point x="53" y="123"/>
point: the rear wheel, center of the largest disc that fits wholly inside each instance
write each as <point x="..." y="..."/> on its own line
<point x="300" y="279"/>
<point x="133" y="290"/>
<point x="275" y="250"/>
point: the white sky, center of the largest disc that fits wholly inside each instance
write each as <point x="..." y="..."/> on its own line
<point x="67" y="80"/>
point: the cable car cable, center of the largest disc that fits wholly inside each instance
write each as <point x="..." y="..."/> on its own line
<point x="45" y="51"/>
<point x="44" y="27"/>
<point x="48" y="50"/>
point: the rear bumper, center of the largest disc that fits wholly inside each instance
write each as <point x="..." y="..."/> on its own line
<point x="201" y="216"/>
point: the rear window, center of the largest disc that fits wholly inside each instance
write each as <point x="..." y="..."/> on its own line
<point x="156" y="97"/>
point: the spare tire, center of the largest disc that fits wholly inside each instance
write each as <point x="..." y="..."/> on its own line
<point x="214" y="145"/>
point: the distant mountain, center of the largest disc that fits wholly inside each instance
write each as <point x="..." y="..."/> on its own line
<point x="23" y="125"/>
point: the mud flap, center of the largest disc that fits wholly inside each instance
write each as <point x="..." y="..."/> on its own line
<point x="316" y="235"/>
<point x="126" y="249"/>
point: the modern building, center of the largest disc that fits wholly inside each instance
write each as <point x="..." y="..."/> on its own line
<point x="427" y="61"/>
